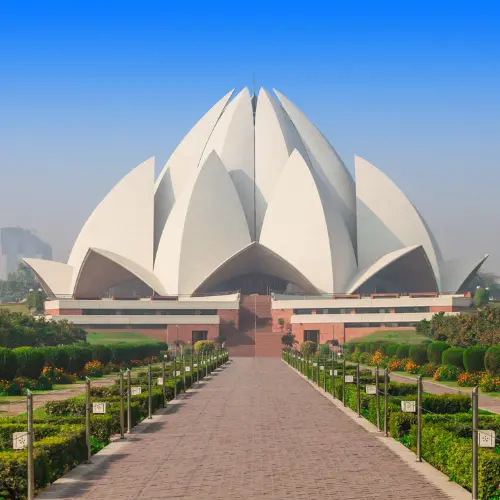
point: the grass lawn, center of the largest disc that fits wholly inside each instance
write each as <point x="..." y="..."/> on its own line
<point x="15" y="308"/>
<point x="407" y="336"/>
<point x="112" y="337"/>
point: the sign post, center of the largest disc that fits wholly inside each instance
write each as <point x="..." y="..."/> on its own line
<point x="122" y="408"/>
<point x="358" y="389"/>
<point x="175" y="375"/>
<point x="386" y="401"/>
<point x="377" y="399"/>
<point x="184" y="373"/>
<point x="87" y="418"/>
<point x="150" y="398"/>
<point x="475" y="425"/>
<point x="419" y="418"/>
<point x="163" y="384"/>
<point x="129" y="402"/>
<point x="30" y="436"/>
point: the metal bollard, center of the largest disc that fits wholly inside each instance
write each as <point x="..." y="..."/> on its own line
<point x="386" y="402"/>
<point x="30" y="436"/>
<point x="343" y="379"/>
<point x="150" y="396"/>
<point x="87" y="418"/>
<point x="197" y="367"/>
<point x="324" y="375"/>
<point x="184" y="374"/>
<point x="163" y="372"/>
<point x="122" y="408"/>
<point x="475" y="451"/>
<point x="175" y="376"/>
<point x="129" y="402"/>
<point x="377" y="399"/>
<point x="333" y="380"/>
<point x="358" y="389"/>
<point x="419" y="418"/>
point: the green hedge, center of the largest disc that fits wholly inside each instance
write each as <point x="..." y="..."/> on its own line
<point x="418" y="354"/>
<point x="78" y="357"/>
<point x="473" y="358"/>
<point x="454" y="356"/>
<point x="30" y="362"/>
<point x="8" y="364"/>
<point x="392" y="350"/>
<point x="57" y="357"/>
<point x="492" y="360"/>
<point x="435" y="351"/>
<point x="403" y="351"/>
<point x="101" y="353"/>
<point x="452" y="455"/>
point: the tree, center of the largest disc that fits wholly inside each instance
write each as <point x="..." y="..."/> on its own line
<point x="481" y="297"/>
<point x="288" y="339"/>
<point x="423" y="327"/>
<point x="35" y="301"/>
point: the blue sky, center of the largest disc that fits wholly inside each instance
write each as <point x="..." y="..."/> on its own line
<point x="88" y="90"/>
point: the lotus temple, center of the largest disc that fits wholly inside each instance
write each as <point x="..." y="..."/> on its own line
<point x="254" y="227"/>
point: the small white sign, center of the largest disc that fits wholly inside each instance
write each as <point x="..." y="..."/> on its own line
<point x="331" y="373"/>
<point x="486" y="439"/>
<point x="19" y="440"/>
<point x="159" y="381"/>
<point x="321" y="367"/>
<point x="99" y="408"/>
<point x="349" y="379"/>
<point x="188" y="368"/>
<point x="177" y="373"/>
<point x="371" y="389"/>
<point x="335" y="372"/>
<point x="196" y="365"/>
<point x="135" y="390"/>
<point x="409" y="406"/>
<point x="315" y="364"/>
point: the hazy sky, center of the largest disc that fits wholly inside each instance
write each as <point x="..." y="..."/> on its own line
<point x="88" y="90"/>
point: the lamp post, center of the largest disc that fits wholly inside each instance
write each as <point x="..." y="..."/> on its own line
<point x="177" y="338"/>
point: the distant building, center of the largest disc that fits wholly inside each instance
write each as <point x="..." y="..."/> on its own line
<point x="16" y="243"/>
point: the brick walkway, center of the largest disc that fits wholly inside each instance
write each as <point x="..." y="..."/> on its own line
<point x="256" y="430"/>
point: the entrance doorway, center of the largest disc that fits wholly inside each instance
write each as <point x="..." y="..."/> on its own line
<point x="311" y="336"/>
<point x="199" y="335"/>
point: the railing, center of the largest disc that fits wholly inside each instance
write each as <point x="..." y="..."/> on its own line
<point x="140" y="297"/>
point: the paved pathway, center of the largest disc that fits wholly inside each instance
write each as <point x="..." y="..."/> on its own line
<point x="256" y="430"/>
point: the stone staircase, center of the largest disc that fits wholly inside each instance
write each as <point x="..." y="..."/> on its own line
<point x="255" y="336"/>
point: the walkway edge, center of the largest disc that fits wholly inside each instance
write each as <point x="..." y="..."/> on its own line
<point x="57" y="489"/>
<point x="435" y="477"/>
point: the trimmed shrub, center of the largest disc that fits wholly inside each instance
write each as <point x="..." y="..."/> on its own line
<point x="403" y="351"/>
<point x="418" y="354"/>
<point x="362" y="346"/>
<point x="392" y="350"/>
<point x="308" y="348"/>
<point x="324" y="350"/>
<point x="435" y="351"/>
<point x="187" y="350"/>
<point x="78" y="358"/>
<point x="454" y="356"/>
<point x="492" y="360"/>
<point x="30" y="362"/>
<point x="57" y="357"/>
<point x="474" y="358"/>
<point x="8" y="364"/>
<point x="351" y="348"/>
<point x="205" y="346"/>
<point x="101" y="353"/>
